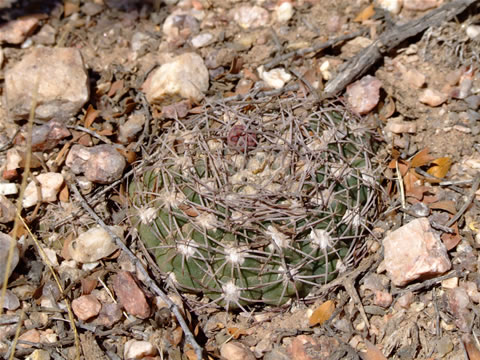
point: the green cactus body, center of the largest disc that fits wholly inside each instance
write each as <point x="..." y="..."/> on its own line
<point x="260" y="224"/>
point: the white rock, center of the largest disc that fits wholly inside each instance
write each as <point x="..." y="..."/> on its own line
<point x="398" y="126"/>
<point x="202" y="40"/>
<point x="185" y="76"/>
<point x="135" y="349"/>
<point x="62" y="84"/>
<point x="250" y="17"/>
<point x="39" y="355"/>
<point x="394" y="6"/>
<point x="50" y="184"/>
<point x="414" y="251"/>
<point x="275" y="78"/>
<point x="8" y="189"/>
<point x="93" y="245"/>
<point x="5" y="241"/>
<point x="284" y="11"/>
<point x="473" y="31"/>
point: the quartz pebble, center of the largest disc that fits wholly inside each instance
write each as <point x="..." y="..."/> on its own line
<point x="394" y="6"/>
<point x="284" y="11"/>
<point x="275" y="78"/>
<point x="93" y="245"/>
<point x="185" y="76"/>
<point x="50" y="184"/>
<point x="250" y="17"/>
<point x="363" y="95"/>
<point x="135" y="349"/>
<point x="414" y="251"/>
<point x="62" y="84"/>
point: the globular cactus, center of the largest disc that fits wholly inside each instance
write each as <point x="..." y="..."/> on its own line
<point x="258" y="208"/>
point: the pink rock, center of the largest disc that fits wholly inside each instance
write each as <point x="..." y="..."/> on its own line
<point x="421" y="5"/>
<point x="413" y="252"/>
<point x="16" y="31"/>
<point x="86" y="307"/>
<point x="458" y="304"/>
<point x="363" y="95"/>
<point x="130" y="295"/>
<point x="472" y="291"/>
<point x="383" y="299"/>
<point x="235" y="350"/>
<point x="399" y="126"/>
<point x="109" y="314"/>
<point x="32" y="335"/>
<point x="432" y="97"/>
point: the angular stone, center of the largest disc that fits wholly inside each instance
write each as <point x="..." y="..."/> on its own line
<point x="135" y="349"/>
<point x="185" y="76"/>
<point x="16" y="31"/>
<point x="62" y="84"/>
<point x="101" y="164"/>
<point x="130" y="295"/>
<point x="235" y="350"/>
<point x="50" y="184"/>
<point x="432" y="97"/>
<point x="413" y="252"/>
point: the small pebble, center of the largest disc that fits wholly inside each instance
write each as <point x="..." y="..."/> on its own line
<point x="130" y="296"/>
<point x="135" y="349"/>
<point x="202" y="40"/>
<point x="86" y="307"/>
<point x="39" y="355"/>
<point x="275" y="78"/>
<point x="250" y="17"/>
<point x="235" y="350"/>
<point x="363" y="95"/>
<point x="473" y="32"/>
<point x="93" y="245"/>
<point x="432" y="97"/>
<point x="284" y="11"/>
<point x="50" y="184"/>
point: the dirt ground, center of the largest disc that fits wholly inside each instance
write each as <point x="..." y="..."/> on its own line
<point x="421" y="320"/>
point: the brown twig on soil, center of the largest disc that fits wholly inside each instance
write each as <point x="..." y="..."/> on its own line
<point x="427" y="283"/>
<point x="313" y="49"/>
<point x="189" y="337"/>
<point x="465" y="206"/>
<point x="389" y="40"/>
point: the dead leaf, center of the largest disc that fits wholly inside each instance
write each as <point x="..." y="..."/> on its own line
<point x="372" y="352"/>
<point x="387" y="109"/>
<point x="365" y="14"/>
<point x="90" y="116"/>
<point x="422" y="158"/>
<point x="322" y="313"/>
<point x="451" y="240"/>
<point x="447" y="205"/>
<point x="64" y="195"/>
<point x="235" y="332"/>
<point x="472" y="350"/>
<point x="440" y="167"/>
<point x="117" y="85"/>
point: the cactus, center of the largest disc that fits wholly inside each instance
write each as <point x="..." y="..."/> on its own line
<point x="259" y="208"/>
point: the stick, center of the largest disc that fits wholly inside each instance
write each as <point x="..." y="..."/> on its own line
<point x="366" y="58"/>
<point x="148" y="280"/>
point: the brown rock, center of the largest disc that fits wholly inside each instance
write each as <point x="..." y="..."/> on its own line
<point x="86" y="307"/>
<point x="7" y="210"/>
<point x="398" y="126"/>
<point x="130" y="295"/>
<point x="421" y="5"/>
<point x="109" y="314"/>
<point x="5" y="243"/>
<point x="47" y="136"/>
<point x="415" y="78"/>
<point x="16" y="31"/>
<point x="414" y="251"/>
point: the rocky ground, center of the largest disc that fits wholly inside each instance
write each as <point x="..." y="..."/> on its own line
<point x="89" y="89"/>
